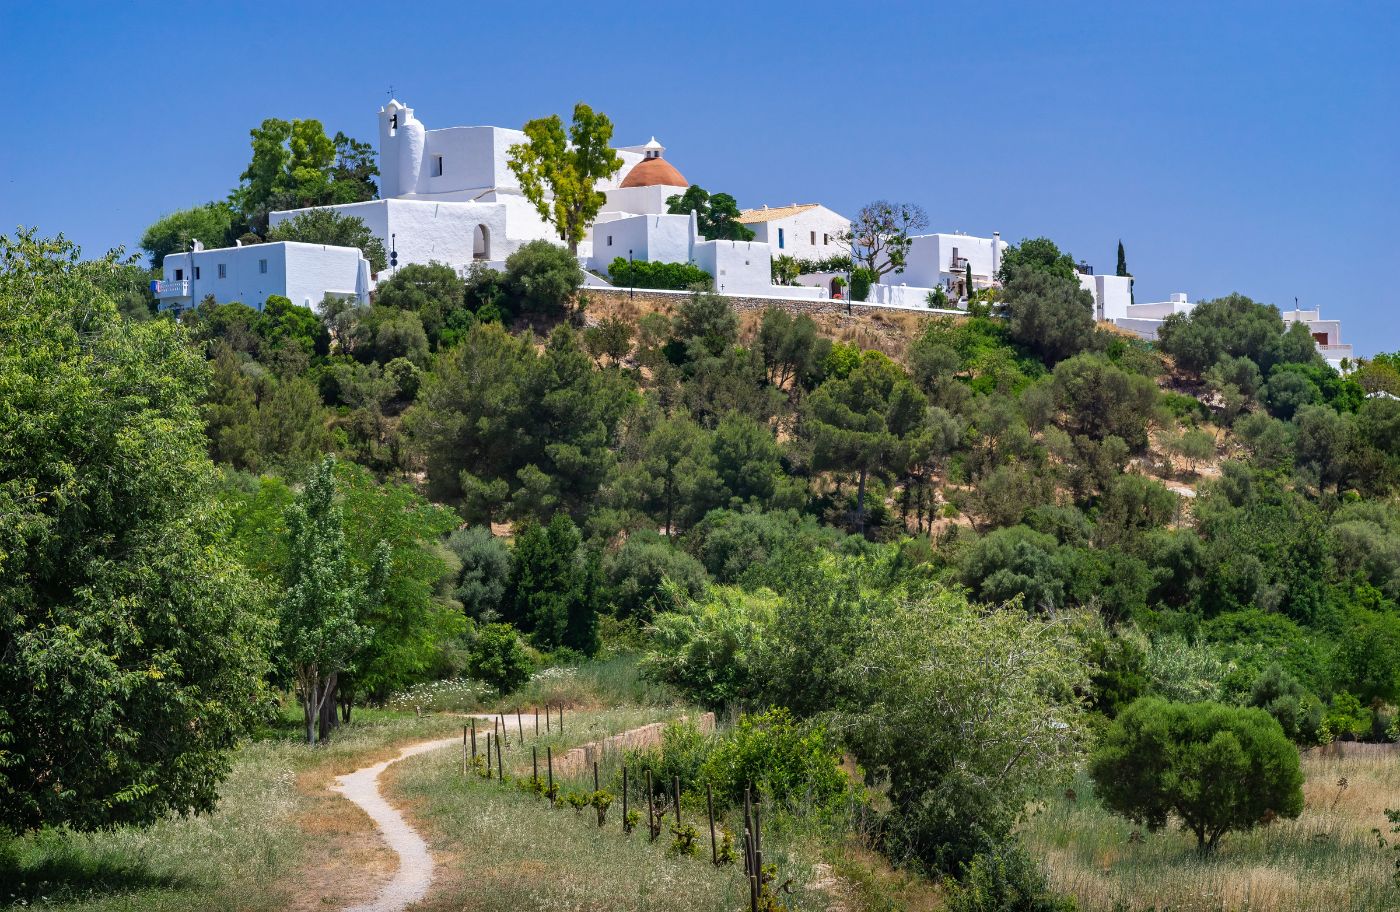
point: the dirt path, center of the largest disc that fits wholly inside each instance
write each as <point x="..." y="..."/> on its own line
<point x="415" y="874"/>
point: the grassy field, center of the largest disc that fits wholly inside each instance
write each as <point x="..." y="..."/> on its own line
<point x="277" y="841"/>
<point x="1327" y="859"/>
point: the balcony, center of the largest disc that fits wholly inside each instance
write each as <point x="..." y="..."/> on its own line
<point x="171" y="288"/>
<point x="959" y="264"/>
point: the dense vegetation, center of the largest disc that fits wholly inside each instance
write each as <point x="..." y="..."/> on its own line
<point x="476" y="475"/>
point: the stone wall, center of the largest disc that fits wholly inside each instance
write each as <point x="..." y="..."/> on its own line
<point x="665" y="301"/>
<point x="580" y="760"/>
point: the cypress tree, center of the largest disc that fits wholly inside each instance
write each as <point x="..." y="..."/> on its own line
<point x="968" y="280"/>
<point x="1122" y="261"/>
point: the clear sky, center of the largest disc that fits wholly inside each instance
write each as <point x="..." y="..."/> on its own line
<point x="1232" y="146"/>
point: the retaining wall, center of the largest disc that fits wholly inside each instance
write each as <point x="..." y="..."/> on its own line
<point x="666" y="301"/>
<point x="580" y="759"/>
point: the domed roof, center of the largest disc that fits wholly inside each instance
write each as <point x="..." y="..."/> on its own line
<point x="654" y="171"/>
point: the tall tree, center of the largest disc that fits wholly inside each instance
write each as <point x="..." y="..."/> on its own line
<point x="559" y="174"/>
<point x="716" y="215"/>
<point x="326" y="226"/>
<point x="1041" y="254"/>
<point x="881" y="235"/>
<point x="325" y="593"/>
<point x="134" y="645"/>
<point x="296" y="165"/>
<point x="210" y="224"/>
<point x="1122" y="262"/>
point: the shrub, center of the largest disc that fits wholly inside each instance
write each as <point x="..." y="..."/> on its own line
<point x="636" y="574"/>
<point x="1217" y="768"/>
<point x="1004" y="879"/>
<point x="646" y="274"/>
<point x="861" y="280"/>
<point x="541" y="278"/>
<point x="683" y="752"/>
<point x="1280" y="695"/>
<point x="786" y="761"/>
<point x="498" y="658"/>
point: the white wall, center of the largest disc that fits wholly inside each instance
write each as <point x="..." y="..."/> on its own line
<point x="1112" y="294"/>
<point x="799" y="231"/>
<point x="304" y="273"/>
<point x="930" y="259"/>
<point x="641" y="199"/>
<point x="652" y="238"/>
<point x="738" y="267"/>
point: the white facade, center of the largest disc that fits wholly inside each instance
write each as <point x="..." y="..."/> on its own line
<point x="250" y="274"/>
<point x="942" y="259"/>
<point x="805" y="232"/>
<point x="737" y="267"/>
<point x="1113" y="294"/>
<point x="1326" y="333"/>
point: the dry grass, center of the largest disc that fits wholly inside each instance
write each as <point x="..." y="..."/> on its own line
<point x="1327" y="859"/>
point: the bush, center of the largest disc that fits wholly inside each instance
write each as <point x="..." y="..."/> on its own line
<point x="787" y="762"/>
<point x="645" y="274"/>
<point x="485" y="571"/>
<point x="1217" y="768"/>
<point x="541" y="279"/>
<point x="637" y="572"/>
<point x="1298" y="712"/>
<point x="498" y="658"/>
<point x="683" y="752"/>
<point x="1004" y="879"/>
<point x="861" y="280"/>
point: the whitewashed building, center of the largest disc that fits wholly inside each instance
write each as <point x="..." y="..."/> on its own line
<point x="251" y="273"/>
<point x="942" y="259"/>
<point x="1326" y="333"/>
<point x="804" y="231"/>
<point x="1113" y="294"/>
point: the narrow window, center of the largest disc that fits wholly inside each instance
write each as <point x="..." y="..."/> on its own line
<point x="780" y="239"/>
<point x="826" y="239"/>
<point x="610" y="240"/>
<point x="437" y="166"/>
<point x="223" y="271"/>
<point x="196" y="272"/>
<point x="179" y="275"/>
<point x="393" y="123"/>
<point x="814" y="239"/>
<point x="262" y="266"/>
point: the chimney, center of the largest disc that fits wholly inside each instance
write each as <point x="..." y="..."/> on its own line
<point x="996" y="253"/>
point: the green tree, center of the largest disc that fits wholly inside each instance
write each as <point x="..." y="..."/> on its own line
<point x="1049" y="314"/>
<point x="880" y="237"/>
<point x="295" y="166"/>
<point x="210" y="224"/>
<point x="670" y="473"/>
<point x="1038" y="255"/>
<point x="554" y="587"/>
<point x="1217" y="768"/>
<point x="433" y="291"/>
<point x="325" y="593"/>
<point x="638" y="573"/>
<point x="484" y="574"/>
<point x="559" y="173"/>
<point x="716" y="215"/>
<point x="792" y="349"/>
<point x="1100" y="400"/>
<point x="542" y="279"/>
<point x="873" y="421"/>
<point x="707" y="320"/>
<point x="326" y="226"/>
<point x="1122" y="269"/>
<point x="126" y="624"/>
<point x="498" y="658"/>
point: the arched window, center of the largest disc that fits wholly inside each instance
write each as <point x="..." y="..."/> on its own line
<point x="481" y="243"/>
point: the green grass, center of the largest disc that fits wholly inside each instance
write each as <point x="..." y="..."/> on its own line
<point x="243" y="856"/>
<point x="1327" y="859"/>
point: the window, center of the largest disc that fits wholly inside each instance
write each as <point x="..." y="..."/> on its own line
<point x="826" y="239"/>
<point x="196" y="272"/>
<point x="780" y="239"/>
<point x="179" y="275"/>
<point x="393" y="123"/>
<point x="223" y="271"/>
<point x="437" y="166"/>
<point x="262" y="266"/>
<point x="610" y="240"/>
<point x="814" y="239"/>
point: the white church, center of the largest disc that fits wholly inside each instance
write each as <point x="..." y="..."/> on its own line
<point x="448" y="195"/>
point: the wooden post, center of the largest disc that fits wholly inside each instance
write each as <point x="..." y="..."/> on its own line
<point x="500" y="770"/>
<point x="537" y="721"/>
<point x="676" y="793"/>
<point x="549" y="758"/>
<point x="505" y="732"/>
<point x="753" y="893"/>
<point x="561" y="718"/>
<point x="473" y="741"/>
<point x="710" y="812"/>
<point x="488" y="756"/>
<point x="546" y="718"/>
<point x="624" y="799"/>
<point x="519" y="727"/>
<point x="464" y="750"/>
<point x="534" y="766"/>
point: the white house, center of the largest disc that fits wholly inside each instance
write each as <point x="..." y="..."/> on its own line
<point x="449" y="195"/>
<point x="1146" y="320"/>
<point x="942" y="259"/>
<point x="807" y="231"/>
<point x="737" y="267"/>
<point x="1113" y="294"/>
<point x="250" y="274"/>
<point x="1326" y="333"/>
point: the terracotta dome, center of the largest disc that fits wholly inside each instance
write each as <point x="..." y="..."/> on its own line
<point x="654" y="172"/>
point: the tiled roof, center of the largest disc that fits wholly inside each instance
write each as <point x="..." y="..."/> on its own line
<point x="750" y="216"/>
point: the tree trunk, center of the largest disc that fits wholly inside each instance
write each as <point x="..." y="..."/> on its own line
<point x="325" y="713"/>
<point x="860" y="503"/>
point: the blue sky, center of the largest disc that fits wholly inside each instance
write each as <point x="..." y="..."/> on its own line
<point x="1232" y="146"/>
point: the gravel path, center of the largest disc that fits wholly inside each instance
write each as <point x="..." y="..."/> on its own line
<point x="415" y="874"/>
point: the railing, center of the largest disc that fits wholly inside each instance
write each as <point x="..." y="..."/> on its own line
<point x="171" y="288"/>
<point x="959" y="264"/>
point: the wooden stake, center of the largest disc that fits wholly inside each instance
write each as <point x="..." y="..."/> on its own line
<point x="464" y="750"/>
<point x="546" y="718"/>
<point x="676" y="792"/>
<point x="710" y="812"/>
<point x="500" y="771"/>
<point x="549" y="758"/>
<point x="537" y="721"/>
<point x="519" y="727"/>
<point x="753" y="893"/>
<point x="473" y="741"/>
<point x="534" y="766"/>
<point x="488" y="756"/>
<point x="651" y="809"/>
<point x="595" y="790"/>
<point x="561" y="718"/>
<point x="625" y="828"/>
